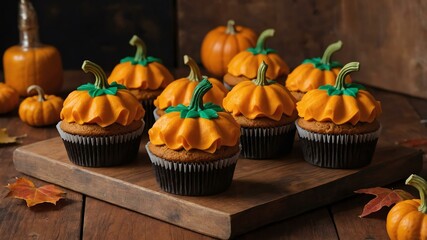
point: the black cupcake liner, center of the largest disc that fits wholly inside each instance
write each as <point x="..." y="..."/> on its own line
<point x="102" y="151"/>
<point x="193" y="179"/>
<point x="338" y="151"/>
<point x="267" y="143"/>
<point x="149" y="107"/>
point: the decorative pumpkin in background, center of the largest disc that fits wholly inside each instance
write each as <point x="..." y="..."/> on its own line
<point x="31" y="62"/>
<point x="244" y="66"/>
<point x="144" y="76"/>
<point x="181" y="90"/>
<point x="407" y="220"/>
<point x="315" y="72"/>
<point x="84" y="104"/>
<point x="9" y="98"/>
<point x="221" y="44"/>
<point x="41" y="109"/>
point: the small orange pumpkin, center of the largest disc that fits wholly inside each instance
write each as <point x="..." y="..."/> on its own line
<point x="101" y="103"/>
<point x="141" y="72"/>
<point x="315" y="72"/>
<point x="243" y="66"/>
<point x="260" y="98"/>
<point x="407" y="220"/>
<point x="181" y="90"/>
<point x="221" y="44"/>
<point x="40" y="110"/>
<point x="32" y="62"/>
<point x="341" y="103"/>
<point x="199" y="126"/>
<point x="9" y="98"/>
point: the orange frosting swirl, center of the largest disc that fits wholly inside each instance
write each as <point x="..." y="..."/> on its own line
<point x="122" y="108"/>
<point x="195" y="133"/>
<point x="260" y="98"/>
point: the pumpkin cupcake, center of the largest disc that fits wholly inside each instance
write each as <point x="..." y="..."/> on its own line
<point x="180" y="90"/>
<point x="243" y="66"/>
<point x="194" y="149"/>
<point x="338" y="126"/>
<point x="101" y="123"/>
<point x="266" y="112"/>
<point x="315" y="72"/>
<point x="144" y="76"/>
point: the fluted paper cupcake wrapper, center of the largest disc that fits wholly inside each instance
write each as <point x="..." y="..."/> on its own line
<point x="101" y="151"/>
<point x="148" y="106"/>
<point x="193" y="179"/>
<point x="265" y="143"/>
<point x="338" y="150"/>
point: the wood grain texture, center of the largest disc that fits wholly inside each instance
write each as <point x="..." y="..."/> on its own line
<point x="262" y="191"/>
<point x="303" y="28"/>
<point x="387" y="38"/>
<point x="44" y="221"/>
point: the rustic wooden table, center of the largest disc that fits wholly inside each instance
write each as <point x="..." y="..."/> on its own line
<point x="79" y="216"/>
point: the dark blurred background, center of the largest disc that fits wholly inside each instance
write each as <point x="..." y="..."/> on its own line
<point x="388" y="37"/>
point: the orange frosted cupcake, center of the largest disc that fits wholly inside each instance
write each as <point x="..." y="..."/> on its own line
<point x="181" y="90"/>
<point x="101" y="123"/>
<point x="338" y="126"/>
<point x="266" y="112"/>
<point x="315" y="72"/>
<point x="144" y="76"/>
<point x="243" y="66"/>
<point x="194" y="149"/>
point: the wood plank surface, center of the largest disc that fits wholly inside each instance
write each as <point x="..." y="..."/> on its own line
<point x="262" y="191"/>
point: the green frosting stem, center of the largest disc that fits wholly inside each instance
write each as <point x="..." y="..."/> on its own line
<point x="334" y="47"/>
<point x="195" y="75"/>
<point x="201" y="89"/>
<point x="261" y="79"/>
<point x="100" y="77"/>
<point x="141" y="49"/>
<point x="231" y="29"/>
<point x="420" y="184"/>
<point x="39" y="90"/>
<point x="260" y="44"/>
<point x="348" y="68"/>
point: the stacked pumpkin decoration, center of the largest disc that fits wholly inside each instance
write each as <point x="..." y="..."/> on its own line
<point x="407" y="220"/>
<point x="221" y="44"/>
<point x="243" y="66"/>
<point x="181" y="90"/>
<point x="32" y="62"/>
<point x="41" y="109"/>
<point x="9" y="98"/>
<point x="143" y="75"/>
<point x="315" y="72"/>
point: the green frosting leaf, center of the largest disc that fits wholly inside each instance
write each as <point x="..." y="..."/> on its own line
<point x="144" y="62"/>
<point x="196" y="108"/>
<point x="317" y="62"/>
<point x="264" y="51"/>
<point x="351" y="89"/>
<point x="95" y="91"/>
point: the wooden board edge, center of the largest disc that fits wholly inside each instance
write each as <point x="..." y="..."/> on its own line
<point x="217" y="225"/>
<point x="249" y="219"/>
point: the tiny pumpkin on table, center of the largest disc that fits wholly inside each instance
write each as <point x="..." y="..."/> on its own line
<point x="41" y="109"/>
<point x="9" y="98"/>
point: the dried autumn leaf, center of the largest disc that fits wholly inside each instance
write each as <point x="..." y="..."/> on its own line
<point x="384" y="197"/>
<point x="6" y="139"/>
<point x="418" y="143"/>
<point x="25" y="189"/>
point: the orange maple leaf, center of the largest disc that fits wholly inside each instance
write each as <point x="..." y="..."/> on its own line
<point x="25" y="189"/>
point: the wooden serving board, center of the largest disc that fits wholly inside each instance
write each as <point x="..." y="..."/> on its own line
<point x="263" y="191"/>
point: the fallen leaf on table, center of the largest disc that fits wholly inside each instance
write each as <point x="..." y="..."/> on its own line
<point x="25" y="189"/>
<point x="5" y="138"/>
<point x="384" y="197"/>
<point x="419" y="143"/>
